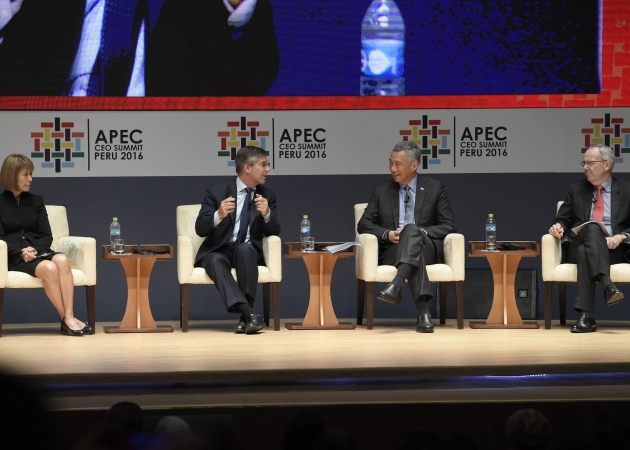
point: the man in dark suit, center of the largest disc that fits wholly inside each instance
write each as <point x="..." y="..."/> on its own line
<point x="234" y="218"/>
<point x="410" y="216"/>
<point x="598" y="198"/>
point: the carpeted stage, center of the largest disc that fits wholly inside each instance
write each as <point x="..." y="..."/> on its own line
<point x="376" y="383"/>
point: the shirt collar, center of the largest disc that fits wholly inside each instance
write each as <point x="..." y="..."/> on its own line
<point x="240" y="186"/>
<point x="412" y="184"/>
<point x="607" y="184"/>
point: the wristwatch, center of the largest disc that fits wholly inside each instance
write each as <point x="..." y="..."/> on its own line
<point x="625" y="237"/>
<point x="386" y="235"/>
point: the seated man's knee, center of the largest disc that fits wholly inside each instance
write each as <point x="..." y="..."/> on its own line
<point x="593" y="231"/>
<point x="246" y="250"/>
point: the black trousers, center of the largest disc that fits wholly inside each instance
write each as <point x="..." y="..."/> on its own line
<point x="593" y="257"/>
<point x="218" y="265"/>
<point x="418" y="250"/>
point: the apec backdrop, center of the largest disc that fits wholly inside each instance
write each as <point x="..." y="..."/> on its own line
<point x="113" y="144"/>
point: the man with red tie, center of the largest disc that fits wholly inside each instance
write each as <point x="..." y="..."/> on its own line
<point x="598" y="198"/>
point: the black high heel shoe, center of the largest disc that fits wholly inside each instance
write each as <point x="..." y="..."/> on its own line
<point x="65" y="329"/>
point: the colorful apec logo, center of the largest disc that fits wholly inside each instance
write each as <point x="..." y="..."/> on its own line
<point x="241" y="133"/>
<point x="609" y="131"/>
<point x="57" y="144"/>
<point x="430" y="137"/>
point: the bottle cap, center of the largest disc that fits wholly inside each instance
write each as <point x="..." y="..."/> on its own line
<point x="115" y="219"/>
<point x="304" y="216"/>
<point x="490" y="215"/>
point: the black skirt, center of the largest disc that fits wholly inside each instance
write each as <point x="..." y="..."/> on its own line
<point x="29" y="267"/>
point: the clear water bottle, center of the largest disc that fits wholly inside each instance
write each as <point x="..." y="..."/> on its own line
<point x="491" y="233"/>
<point x="114" y="233"/>
<point x="305" y="231"/>
<point x="382" y="50"/>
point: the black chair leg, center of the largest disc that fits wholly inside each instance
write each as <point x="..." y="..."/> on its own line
<point x="459" y="294"/>
<point x="369" y="293"/>
<point x="90" y="296"/>
<point x="275" y="286"/>
<point x="183" y="306"/>
<point x="442" y="288"/>
<point x="562" y="296"/>
<point x="360" y="300"/>
<point x="1" y="308"/>
<point x="548" y="299"/>
<point x="266" y="293"/>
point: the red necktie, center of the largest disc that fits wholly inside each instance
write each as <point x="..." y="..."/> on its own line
<point x="598" y="208"/>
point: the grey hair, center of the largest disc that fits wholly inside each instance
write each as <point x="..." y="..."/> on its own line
<point x="411" y="150"/>
<point x="248" y="155"/>
<point x="607" y="153"/>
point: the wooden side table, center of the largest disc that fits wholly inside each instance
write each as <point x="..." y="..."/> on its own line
<point x="503" y="263"/>
<point x="137" y="267"/>
<point x="320" y="314"/>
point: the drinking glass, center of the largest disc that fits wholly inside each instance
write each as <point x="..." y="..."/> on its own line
<point x="120" y="246"/>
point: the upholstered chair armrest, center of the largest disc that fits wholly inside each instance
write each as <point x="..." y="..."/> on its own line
<point x="4" y="264"/>
<point x="185" y="259"/>
<point x="272" y="251"/>
<point x="366" y="259"/>
<point x="551" y="256"/>
<point x="455" y="254"/>
<point x="81" y="252"/>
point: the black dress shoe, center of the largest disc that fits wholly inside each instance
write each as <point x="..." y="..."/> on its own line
<point x="253" y="323"/>
<point x="585" y="324"/>
<point x="424" y="324"/>
<point x="391" y="294"/>
<point x="87" y="329"/>
<point x="242" y="325"/>
<point x="65" y="329"/>
<point x="612" y="294"/>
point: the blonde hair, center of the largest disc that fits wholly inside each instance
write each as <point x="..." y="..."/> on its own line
<point x="10" y="169"/>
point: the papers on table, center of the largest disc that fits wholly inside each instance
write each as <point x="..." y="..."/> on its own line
<point x="340" y="247"/>
<point x="577" y="229"/>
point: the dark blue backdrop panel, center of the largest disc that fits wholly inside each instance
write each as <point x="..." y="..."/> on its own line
<point x="452" y="46"/>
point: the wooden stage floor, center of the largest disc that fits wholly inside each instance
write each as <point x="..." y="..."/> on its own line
<point x="392" y="363"/>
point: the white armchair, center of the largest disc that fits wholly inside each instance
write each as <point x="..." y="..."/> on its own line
<point x="81" y="252"/>
<point x="188" y="243"/>
<point x="368" y="272"/>
<point x="554" y="271"/>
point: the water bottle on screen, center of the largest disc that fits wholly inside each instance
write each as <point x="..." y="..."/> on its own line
<point x="114" y="233"/>
<point x="305" y="231"/>
<point x="382" y="49"/>
<point x="491" y="233"/>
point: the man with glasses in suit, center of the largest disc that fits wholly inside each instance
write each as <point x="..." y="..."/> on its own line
<point x="598" y="198"/>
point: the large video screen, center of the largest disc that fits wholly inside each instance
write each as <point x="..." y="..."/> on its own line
<point x="174" y="48"/>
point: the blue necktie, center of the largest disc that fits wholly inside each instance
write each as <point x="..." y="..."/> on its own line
<point x="409" y="206"/>
<point x="244" y="221"/>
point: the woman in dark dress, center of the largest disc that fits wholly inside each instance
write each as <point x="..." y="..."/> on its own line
<point x="25" y="228"/>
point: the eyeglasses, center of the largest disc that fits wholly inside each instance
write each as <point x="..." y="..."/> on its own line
<point x="589" y="163"/>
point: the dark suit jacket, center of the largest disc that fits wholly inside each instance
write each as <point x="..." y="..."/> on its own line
<point x="432" y="212"/>
<point x="576" y="208"/>
<point x="222" y="234"/>
<point x="193" y="51"/>
<point x="24" y="225"/>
